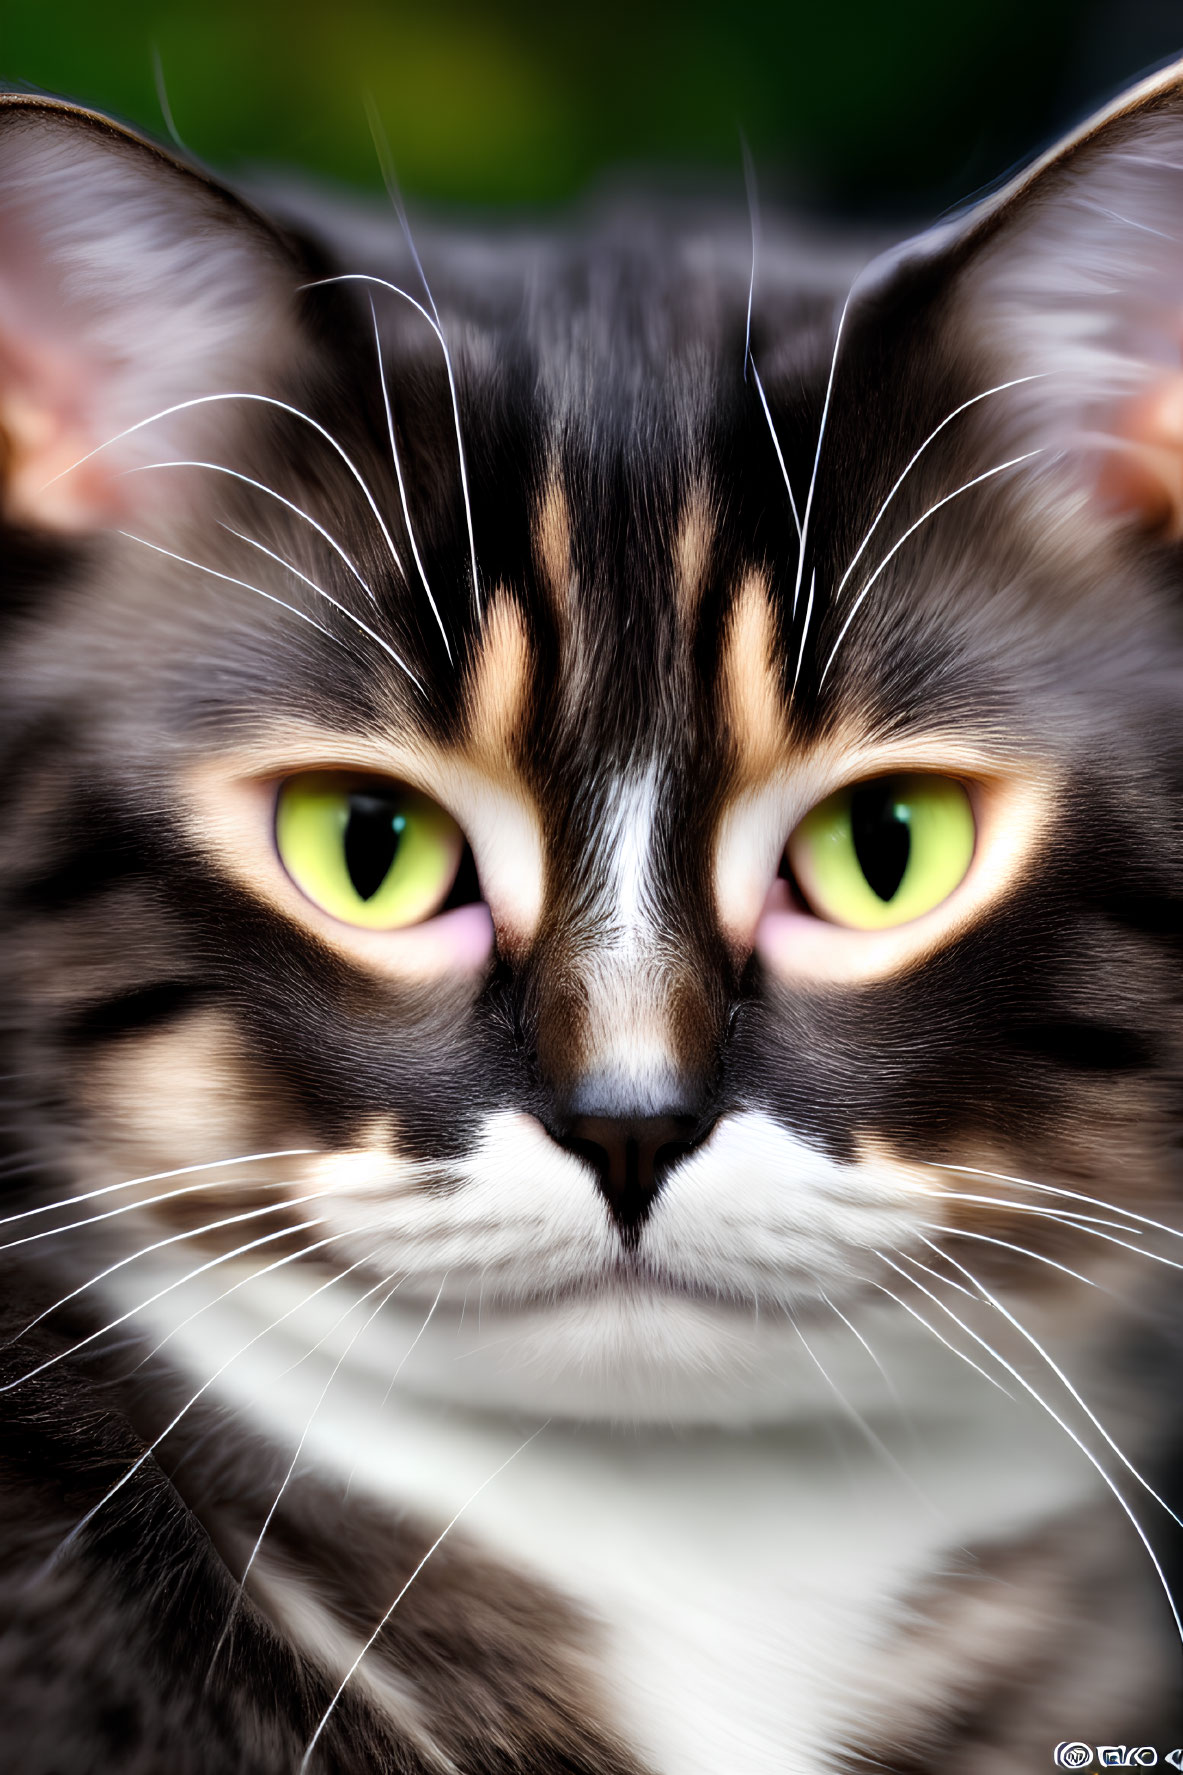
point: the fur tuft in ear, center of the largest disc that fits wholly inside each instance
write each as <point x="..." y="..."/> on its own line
<point x="1073" y="275"/>
<point x="128" y="284"/>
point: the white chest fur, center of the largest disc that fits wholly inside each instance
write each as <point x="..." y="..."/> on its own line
<point x="742" y="1577"/>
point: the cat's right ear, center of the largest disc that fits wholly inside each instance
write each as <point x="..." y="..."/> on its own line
<point x="1069" y="282"/>
<point x="129" y="284"/>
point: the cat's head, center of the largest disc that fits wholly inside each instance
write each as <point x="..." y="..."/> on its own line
<point x="617" y="814"/>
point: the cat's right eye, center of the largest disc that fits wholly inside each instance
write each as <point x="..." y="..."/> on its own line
<point x="370" y="852"/>
<point x="883" y="852"/>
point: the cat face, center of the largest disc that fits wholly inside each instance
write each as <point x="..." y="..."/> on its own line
<point x="654" y="828"/>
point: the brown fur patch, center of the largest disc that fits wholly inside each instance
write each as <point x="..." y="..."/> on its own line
<point x="188" y="1096"/>
<point x="753" y="698"/>
<point x="692" y="551"/>
<point x="552" y="543"/>
<point x="498" y="691"/>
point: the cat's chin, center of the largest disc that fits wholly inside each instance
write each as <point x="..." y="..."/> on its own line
<point x="625" y="1357"/>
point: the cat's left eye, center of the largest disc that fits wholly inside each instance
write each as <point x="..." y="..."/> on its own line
<point x="883" y="852"/>
<point x="370" y="852"/>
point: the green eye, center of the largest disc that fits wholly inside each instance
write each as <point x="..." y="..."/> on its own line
<point x="880" y="853"/>
<point x="369" y="852"/>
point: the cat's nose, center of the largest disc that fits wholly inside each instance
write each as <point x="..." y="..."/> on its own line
<point x="631" y="1158"/>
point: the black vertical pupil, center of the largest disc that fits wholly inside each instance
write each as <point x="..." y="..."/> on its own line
<point x="373" y="833"/>
<point x="882" y="838"/>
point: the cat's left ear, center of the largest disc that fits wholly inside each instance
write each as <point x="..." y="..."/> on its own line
<point x="1073" y="275"/>
<point x="130" y="283"/>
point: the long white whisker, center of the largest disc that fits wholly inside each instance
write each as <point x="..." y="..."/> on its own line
<point x="266" y="400"/>
<point x="911" y="531"/>
<point x="218" y="468"/>
<point x="1087" y="1452"/>
<point x="402" y="490"/>
<point x="279" y="1263"/>
<point x="1059" y="1374"/>
<point x="1051" y="1189"/>
<point x="920" y="1320"/>
<point x="1081" y="1224"/>
<point x="324" y="1393"/>
<point x="749" y="180"/>
<point x="856" y="1333"/>
<point x="230" y="579"/>
<point x="204" y="1388"/>
<point x="999" y="388"/>
<point x="956" y="1232"/>
<point x="817" y="455"/>
<point x="437" y="329"/>
<point x="271" y="599"/>
<point x="413" y="1345"/>
<point x="197" y="1232"/>
<point x="804" y="629"/>
<point x="386" y="162"/>
<point x="188" y="1189"/>
<point x="353" y="1668"/>
<point x="856" y="1417"/>
<point x="287" y="1152"/>
<point x="1068" y="1216"/>
<point x="348" y="614"/>
<point x="776" y="446"/>
<point x="132" y="1312"/>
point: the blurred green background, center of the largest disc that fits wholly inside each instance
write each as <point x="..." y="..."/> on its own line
<point x="868" y="106"/>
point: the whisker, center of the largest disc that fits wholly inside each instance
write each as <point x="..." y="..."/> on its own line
<point x="1059" y="1374"/>
<point x="804" y="630"/>
<point x="304" y="617"/>
<point x="1106" y="1477"/>
<point x="1051" y="1189"/>
<point x="856" y="1333"/>
<point x="229" y="579"/>
<point x="1023" y="1251"/>
<point x="911" y="531"/>
<point x="132" y="1312"/>
<point x="817" y="455"/>
<point x="266" y="400"/>
<point x="999" y="388"/>
<point x="287" y="1152"/>
<point x="211" y="1226"/>
<point x="920" y="1320"/>
<point x="1090" y="1223"/>
<point x="204" y="1388"/>
<point x="324" y="1393"/>
<point x="856" y="1417"/>
<point x="219" y="468"/>
<point x="749" y="181"/>
<point x="348" y="614"/>
<point x="268" y="1269"/>
<point x="437" y="329"/>
<point x="1068" y="1216"/>
<point x="353" y="1668"/>
<point x="402" y="490"/>
<point x="386" y="162"/>
<point x="172" y="1195"/>
<point x="776" y="446"/>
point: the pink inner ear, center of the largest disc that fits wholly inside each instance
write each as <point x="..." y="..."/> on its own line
<point x="1142" y="468"/>
<point x="46" y="402"/>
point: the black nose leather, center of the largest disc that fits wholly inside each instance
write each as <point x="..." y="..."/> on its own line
<point x="632" y="1158"/>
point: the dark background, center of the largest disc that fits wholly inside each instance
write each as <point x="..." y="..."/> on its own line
<point x="860" y="105"/>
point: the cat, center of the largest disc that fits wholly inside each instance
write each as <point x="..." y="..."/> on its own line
<point x="590" y="866"/>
